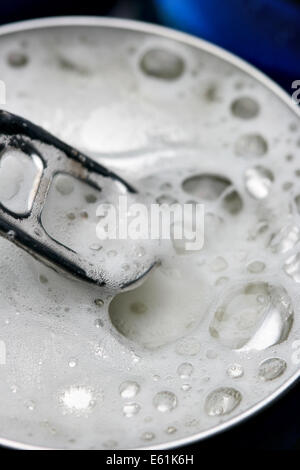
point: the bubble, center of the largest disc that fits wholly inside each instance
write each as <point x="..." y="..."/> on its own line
<point x="297" y="202"/>
<point x="255" y="316"/>
<point x="258" y="181"/>
<point x="232" y="203"/>
<point x="285" y="240"/>
<point x="287" y="185"/>
<point x="71" y="216"/>
<point x="131" y="409"/>
<point x="271" y="368"/>
<point x="30" y="405"/>
<point x="256" y="267"/>
<point x="210" y="354"/>
<point x="43" y="279"/>
<point x="64" y="185"/>
<point x="129" y="389"/>
<point x="99" y="302"/>
<point x="251" y="145"/>
<point x="222" y="401"/>
<point x="140" y="252"/>
<point x="148" y="436"/>
<point x="73" y="363"/>
<point x="165" y="401"/>
<point x="166" y="199"/>
<point x="235" y="371"/>
<point x="185" y="370"/>
<point x="84" y="215"/>
<point x="207" y="187"/>
<point x="245" y="108"/>
<point x="99" y="323"/>
<point x="95" y="247"/>
<point x="171" y="430"/>
<point x="186" y="387"/>
<point x="162" y="63"/>
<point x="90" y="198"/>
<point x="17" y="59"/>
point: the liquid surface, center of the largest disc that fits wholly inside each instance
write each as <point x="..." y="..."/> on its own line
<point x="210" y="333"/>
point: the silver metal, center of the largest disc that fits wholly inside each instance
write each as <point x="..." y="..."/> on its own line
<point x="162" y="32"/>
<point x="26" y="230"/>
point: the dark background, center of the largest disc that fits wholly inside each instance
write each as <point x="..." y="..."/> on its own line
<point x="266" y="36"/>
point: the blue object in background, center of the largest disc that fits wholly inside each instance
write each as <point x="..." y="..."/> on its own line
<point x="264" y="32"/>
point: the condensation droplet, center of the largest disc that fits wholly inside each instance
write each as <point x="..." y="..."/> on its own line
<point x="131" y="409"/>
<point x="292" y="267"/>
<point x="171" y="430"/>
<point x="258" y="181"/>
<point x="95" y="247"/>
<point x="99" y="323"/>
<point x="43" y="279"/>
<point x="207" y="187"/>
<point x="271" y="368"/>
<point x="185" y="370"/>
<point x="165" y="401"/>
<point x="253" y="316"/>
<point x="148" y="436"/>
<point x="256" y="267"/>
<point x="90" y="198"/>
<point x="285" y="240"/>
<point x="162" y="63"/>
<point x="245" y="108"/>
<point x="30" y="405"/>
<point x="210" y="354"/>
<point x="235" y="371"/>
<point x="297" y="202"/>
<point x="232" y="202"/>
<point x="72" y="363"/>
<point x="251" y="145"/>
<point x="222" y="401"/>
<point x="186" y="387"/>
<point x="129" y="389"/>
<point x="71" y="216"/>
<point x="166" y="199"/>
<point x="17" y="59"/>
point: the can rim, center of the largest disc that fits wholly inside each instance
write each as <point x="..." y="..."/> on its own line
<point x="217" y="51"/>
